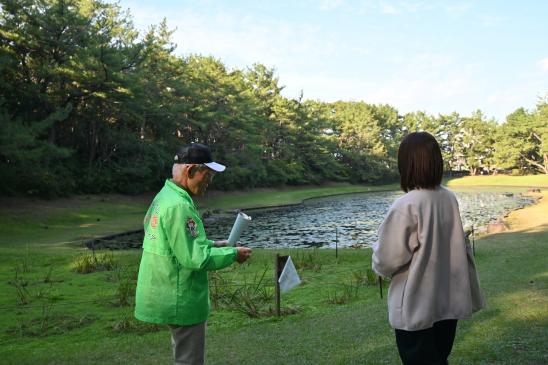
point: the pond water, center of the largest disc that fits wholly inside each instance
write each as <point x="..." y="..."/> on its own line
<point x="351" y="220"/>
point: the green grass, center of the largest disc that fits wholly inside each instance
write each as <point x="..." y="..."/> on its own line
<point x="500" y="180"/>
<point x="35" y="222"/>
<point x="259" y="198"/>
<point x="78" y="318"/>
<point x="511" y="330"/>
<point x="57" y="223"/>
<point x="32" y="221"/>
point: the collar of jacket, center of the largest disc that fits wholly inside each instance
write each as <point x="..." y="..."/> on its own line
<point x="179" y="190"/>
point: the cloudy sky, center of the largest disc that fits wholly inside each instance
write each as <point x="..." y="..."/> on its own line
<point x="434" y="56"/>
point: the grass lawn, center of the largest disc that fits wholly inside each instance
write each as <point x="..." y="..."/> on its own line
<point x="30" y="222"/>
<point x="258" y="198"/>
<point x="54" y="315"/>
<point x="540" y="181"/>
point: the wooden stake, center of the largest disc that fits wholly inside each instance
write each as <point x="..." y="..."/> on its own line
<point x="336" y="243"/>
<point x="473" y="242"/>
<point x="380" y="285"/>
<point x="276" y="278"/>
<point x="279" y="266"/>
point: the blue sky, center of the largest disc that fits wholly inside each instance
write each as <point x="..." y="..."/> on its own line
<point x="433" y="56"/>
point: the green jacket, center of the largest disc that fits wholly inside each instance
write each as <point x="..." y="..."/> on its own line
<point x="172" y="287"/>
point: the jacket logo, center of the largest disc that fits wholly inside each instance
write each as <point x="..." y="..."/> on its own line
<point x="192" y="228"/>
<point x="154" y="221"/>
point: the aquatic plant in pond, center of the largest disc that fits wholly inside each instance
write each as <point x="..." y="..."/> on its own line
<point x="351" y="220"/>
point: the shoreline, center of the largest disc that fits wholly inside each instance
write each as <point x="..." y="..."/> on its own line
<point x="529" y="217"/>
<point x="235" y="210"/>
<point x="498" y="226"/>
<point x="211" y="212"/>
<point x="502" y="223"/>
<point x="207" y="208"/>
<point x="89" y="217"/>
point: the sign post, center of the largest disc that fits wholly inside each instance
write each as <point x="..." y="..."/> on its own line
<point x="278" y="268"/>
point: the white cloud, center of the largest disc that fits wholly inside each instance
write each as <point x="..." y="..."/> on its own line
<point x="505" y="96"/>
<point x="388" y="9"/>
<point x="488" y="21"/>
<point x="242" y="41"/>
<point x="405" y="7"/>
<point x="505" y="101"/>
<point x="327" y="5"/>
<point x="418" y="86"/>
<point x="303" y="55"/>
<point x="543" y="64"/>
<point x="457" y="9"/>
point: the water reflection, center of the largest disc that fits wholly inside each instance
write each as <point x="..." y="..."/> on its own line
<point x="352" y="219"/>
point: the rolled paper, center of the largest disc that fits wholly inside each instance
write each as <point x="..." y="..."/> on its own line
<point x="242" y="221"/>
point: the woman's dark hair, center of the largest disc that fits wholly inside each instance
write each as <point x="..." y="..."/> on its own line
<point x="419" y="162"/>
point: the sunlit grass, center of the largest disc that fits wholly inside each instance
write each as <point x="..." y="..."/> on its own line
<point x="276" y="197"/>
<point x="91" y="323"/>
<point x="501" y="180"/>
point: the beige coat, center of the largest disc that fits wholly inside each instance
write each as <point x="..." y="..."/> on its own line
<point x="422" y="248"/>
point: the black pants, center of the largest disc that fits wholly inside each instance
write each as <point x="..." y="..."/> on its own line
<point x="431" y="346"/>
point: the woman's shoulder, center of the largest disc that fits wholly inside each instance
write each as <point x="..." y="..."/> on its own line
<point x="448" y="193"/>
<point x="406" y="202"/>
<point x="419" y="197"/>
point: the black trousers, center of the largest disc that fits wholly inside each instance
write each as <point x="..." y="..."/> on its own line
<point x="431" y="346"/>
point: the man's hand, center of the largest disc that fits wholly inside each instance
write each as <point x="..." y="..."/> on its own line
<point x="243" y="254"/>
<point x="222" y="243"/>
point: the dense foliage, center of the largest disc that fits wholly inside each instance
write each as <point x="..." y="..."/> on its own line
<point x="87" y="104"/>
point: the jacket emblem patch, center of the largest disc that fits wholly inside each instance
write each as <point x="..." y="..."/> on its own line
<point x="192" y="228"/>
<point x="154" y="221"/>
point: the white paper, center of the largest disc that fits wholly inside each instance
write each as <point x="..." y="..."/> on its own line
<point x="289" y="277"/>
<point x="242" y="221"/>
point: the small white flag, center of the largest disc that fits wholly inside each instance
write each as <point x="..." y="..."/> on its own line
<point x="289" y="277"/>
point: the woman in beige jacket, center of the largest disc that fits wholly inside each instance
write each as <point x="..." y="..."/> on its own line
<point x="422" y="248"/>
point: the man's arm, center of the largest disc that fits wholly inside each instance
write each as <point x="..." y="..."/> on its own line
<point x="187" y="239"/>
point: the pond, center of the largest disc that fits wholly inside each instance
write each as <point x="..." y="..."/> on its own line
<point x="350" y="220"/>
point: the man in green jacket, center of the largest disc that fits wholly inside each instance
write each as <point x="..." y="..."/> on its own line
<point x="172" y="287"/>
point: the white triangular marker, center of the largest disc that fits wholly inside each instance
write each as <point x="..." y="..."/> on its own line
<point x="289" y="277"/>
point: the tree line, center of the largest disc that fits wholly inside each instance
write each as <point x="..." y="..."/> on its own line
<point x="90" y="105"/>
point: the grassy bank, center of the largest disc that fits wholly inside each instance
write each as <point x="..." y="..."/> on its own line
<point x="25" y="221"/>
<point x="540" y="181"/>
<point x="52" y="314"/>
<point x="259" y="198"/>
<point x="29" y="221"/>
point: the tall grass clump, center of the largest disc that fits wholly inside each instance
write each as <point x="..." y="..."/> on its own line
<point x="307" y="259"/>
<point x="251" y="297"/>
<point x="91" y="262"/>
<point x="127" y="282"/>
<point x="344" y="293"/>
<point x="128" y="324"/>
<point x="20" y="285"/>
